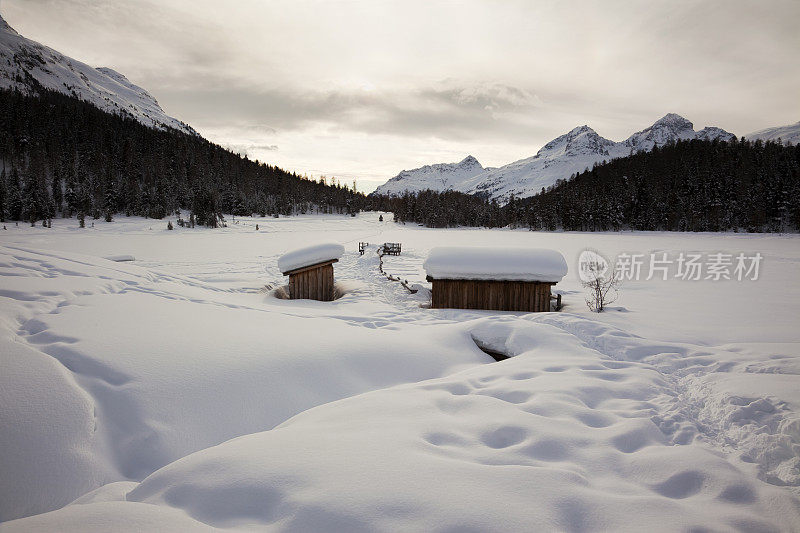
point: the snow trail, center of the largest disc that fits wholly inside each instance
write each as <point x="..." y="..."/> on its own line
<point x="175" y="381"/>
<point x="758" y="428"/>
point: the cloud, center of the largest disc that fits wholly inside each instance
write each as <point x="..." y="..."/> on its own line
<point x="499" y="79"/>
<point x="488" y="96"/>
<point x="449" y="109"/>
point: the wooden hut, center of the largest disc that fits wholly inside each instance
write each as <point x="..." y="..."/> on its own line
<point x="496" y="278"/>
<point x="310" y="271"/>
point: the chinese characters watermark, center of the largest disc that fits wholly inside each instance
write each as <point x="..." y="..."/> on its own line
<point x="687" y="266"/>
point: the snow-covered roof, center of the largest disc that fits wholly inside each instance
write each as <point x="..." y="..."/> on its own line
<point x="310" y="255"/>
<point x="495" y="263"/>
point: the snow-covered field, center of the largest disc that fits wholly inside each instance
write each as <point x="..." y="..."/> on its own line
<point x="174" y="392"/>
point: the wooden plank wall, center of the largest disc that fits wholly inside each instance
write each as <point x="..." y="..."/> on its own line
<point x="495" y="295"/>
<point x="312" y="284"/>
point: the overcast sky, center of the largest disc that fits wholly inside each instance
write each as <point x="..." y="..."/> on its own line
<point x="364" y="89"/>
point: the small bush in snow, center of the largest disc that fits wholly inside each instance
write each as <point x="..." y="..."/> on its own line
<point x="602" y="289"/>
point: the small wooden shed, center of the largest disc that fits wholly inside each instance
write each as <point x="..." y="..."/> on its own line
<point x="310" y="271"/>
<point x="495" y="278"/>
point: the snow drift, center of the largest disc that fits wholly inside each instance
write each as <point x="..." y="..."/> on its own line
<point x="91" y="399"/>
<point x="173" y="394"/>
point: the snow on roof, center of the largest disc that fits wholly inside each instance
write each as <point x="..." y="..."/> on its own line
<point x="495" y="263"/>
<point x="310" y="255"/>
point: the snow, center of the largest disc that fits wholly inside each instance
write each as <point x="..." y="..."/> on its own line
<point x="310" y="255"/>
<point x="120" y="258"/>
<point x="103" y="87"/>
<point x="568" y="154"/>
<point x="787" y="134"/>
<point x="175" y="394"/>
<point x="438" y="177"/>
<point x="495" y="263"/>
<point x="576" y="151"/>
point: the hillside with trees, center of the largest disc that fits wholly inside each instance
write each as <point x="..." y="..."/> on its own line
<point x="60" y="156"/>
<point x="691" y="185"/>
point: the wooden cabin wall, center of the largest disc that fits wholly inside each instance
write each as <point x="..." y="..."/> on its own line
<point x="495" y="295"/>
<point x="313" y="284"/>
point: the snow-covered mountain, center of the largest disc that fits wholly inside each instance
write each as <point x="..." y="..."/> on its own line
<point x="788" y="134"/>
<point x="24" y="63"/>
<point x="439" y="177"/>
<point x="560" y="158"/>
<point x="670" y="128"/>
<point x="568" y="154"/>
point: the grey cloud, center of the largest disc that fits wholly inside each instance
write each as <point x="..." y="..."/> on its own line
<point x="494" y="96"/>
<point x="150" y="41"/>
<point x="449" y="110"/>
<point x="258" y="74"/>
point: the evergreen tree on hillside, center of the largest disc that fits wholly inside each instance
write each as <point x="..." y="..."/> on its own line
<point x="58" y="195"/>
<point x="3" y="196"/>
<point x="31" y="200"/>
<point x="205" y="208"/>
<point x="69" y="149"/>
<point x="684" y="186"/>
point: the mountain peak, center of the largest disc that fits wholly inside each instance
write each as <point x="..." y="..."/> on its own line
<point x="581" y="129"/>
<point x="669" y="128"/>
<point x="582" y="139"/>
<point x="438" y="177"/>
<point x="674" y="121"/>
<point x="568" y="154"/>
<point x="469" y="161"/>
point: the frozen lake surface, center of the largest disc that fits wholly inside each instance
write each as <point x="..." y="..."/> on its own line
<point x="173" y="392"/>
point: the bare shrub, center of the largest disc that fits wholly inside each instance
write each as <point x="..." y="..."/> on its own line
<point x="281" y="292"/>
<point x="602" y="288"/>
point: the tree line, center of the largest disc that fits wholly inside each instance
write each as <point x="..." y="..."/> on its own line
<point x="690" y="185"/>
<point x="60" y="156"/>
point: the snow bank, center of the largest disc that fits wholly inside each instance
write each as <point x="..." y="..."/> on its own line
<point x="102" y="517"/>
<point x="495" y="263"/>
<point x="310" y="255"/>
<point x="91" y="399"/>
<point x="680" y="417"/>
<point x="559" y="438"/>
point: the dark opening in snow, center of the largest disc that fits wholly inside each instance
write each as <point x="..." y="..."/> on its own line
<point x="494" y="354"/>
<point x="281" y="292"/>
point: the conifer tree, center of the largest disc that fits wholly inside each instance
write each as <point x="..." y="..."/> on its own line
<point x="3" y="196"/>
<point x="14" y="195"/>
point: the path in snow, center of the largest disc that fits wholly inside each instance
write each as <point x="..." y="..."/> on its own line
<point x="214" y="363"/>
<point x="387" y="415"/>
